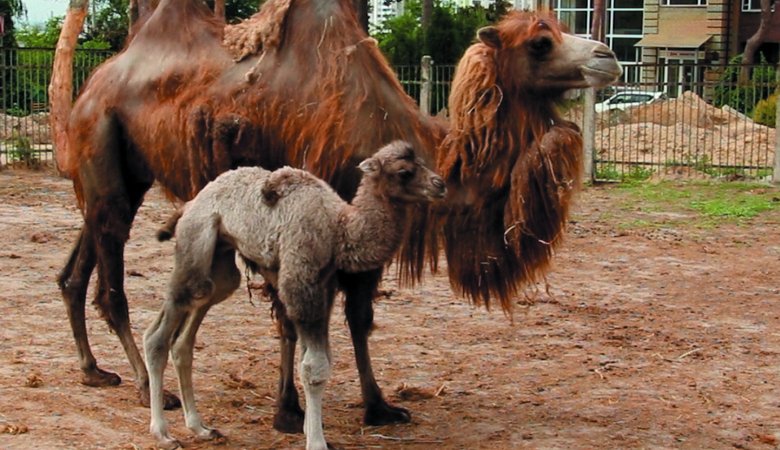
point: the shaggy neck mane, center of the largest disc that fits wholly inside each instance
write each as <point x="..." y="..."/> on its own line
<point x="369" y="227"/>
<point x="516" y="190"/>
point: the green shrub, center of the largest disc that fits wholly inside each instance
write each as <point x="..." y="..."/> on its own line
<point x="766" y="111"/>
<point x="744" y="97"/>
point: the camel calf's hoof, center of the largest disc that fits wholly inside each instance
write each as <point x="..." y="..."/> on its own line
<point x="290" y="422"/>
<point x="168" y="444"/>
<point x="212" y="435"/>
<point x="170" y="401"/>
<point x="386" y="414"/>
<point x="100" y="378"/>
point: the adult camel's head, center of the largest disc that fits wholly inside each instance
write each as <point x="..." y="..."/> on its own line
<point x="511" y="161"/>
<point x="533" y="54"/>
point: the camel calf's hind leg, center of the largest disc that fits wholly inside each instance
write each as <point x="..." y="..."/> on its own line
<point x="226" y="278"/>
<point x="204" y="275"/>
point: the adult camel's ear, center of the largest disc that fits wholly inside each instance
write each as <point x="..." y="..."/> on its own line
<point x="489" y="36"/>
<point x="369" y="165"/>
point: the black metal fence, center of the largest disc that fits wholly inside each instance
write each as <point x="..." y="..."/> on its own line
<point x="696" y="120"/>
<point x="25" y="74"/>
<point x="661" y="117"/>
<point x="689" y="119"/>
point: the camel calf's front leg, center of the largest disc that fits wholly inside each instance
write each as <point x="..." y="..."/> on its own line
<point x="315" y="372"/>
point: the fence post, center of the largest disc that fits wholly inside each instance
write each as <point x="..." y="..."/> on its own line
<point x="425" y="85"/>
<point x="776" y="172"/>
<point x="589" y="134"/>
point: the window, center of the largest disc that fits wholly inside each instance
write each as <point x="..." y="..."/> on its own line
<point x="624" y="48"/>
<point x="755" y="5"/>
<point x="684" y="2"/>
<point x="623" y="23"/>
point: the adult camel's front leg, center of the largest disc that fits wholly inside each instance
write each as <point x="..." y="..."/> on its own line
<point x="360" y="290"/>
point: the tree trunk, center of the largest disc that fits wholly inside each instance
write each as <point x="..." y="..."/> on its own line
<point x="61" y="87"/>
<point x="219" y="9"/>
<point x="755" y="41"/>
<point x="597" y="25"/>
<point x="140" y="10"/>
<point x="361" y="9"/>
<point x="427" y="15"/>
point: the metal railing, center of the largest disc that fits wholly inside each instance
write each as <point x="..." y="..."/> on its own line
<point x="699" y="119"/>
<point x="692" y="119"/>
<point x="25" y="74"/>
<point x="688" y="119"/>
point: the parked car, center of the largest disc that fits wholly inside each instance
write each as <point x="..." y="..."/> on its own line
<point x="627" y="99"/>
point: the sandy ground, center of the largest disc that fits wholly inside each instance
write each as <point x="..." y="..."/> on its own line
<point x="653" y="337"/>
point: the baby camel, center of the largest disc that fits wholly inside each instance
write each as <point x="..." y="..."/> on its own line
<point x="292" y="228"/>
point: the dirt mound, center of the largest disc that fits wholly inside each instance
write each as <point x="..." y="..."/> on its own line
<point x="34" y="127"/>
<point x="686" y="130"/>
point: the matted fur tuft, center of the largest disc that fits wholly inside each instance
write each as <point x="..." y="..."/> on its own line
<point x="261" y="32"/>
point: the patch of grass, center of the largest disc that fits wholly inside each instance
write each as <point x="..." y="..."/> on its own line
<point x="607" y="172"/>
<point x="700" y="203"/>
<point x="21" y="151"/>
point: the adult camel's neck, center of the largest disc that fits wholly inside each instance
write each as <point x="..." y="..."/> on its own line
<point x="371" y="229"/>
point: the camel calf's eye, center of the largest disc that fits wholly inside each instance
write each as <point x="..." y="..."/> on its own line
<point x="405" y="174"/>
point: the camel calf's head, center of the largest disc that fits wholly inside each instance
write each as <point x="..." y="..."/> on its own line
<point x="401" y="175"/>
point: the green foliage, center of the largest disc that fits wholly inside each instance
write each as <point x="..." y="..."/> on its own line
<point x="21" y="152"/>
<point x="607" y="172"/>
<point x="236" y="10"/>
<point x="107" y="26"/>
<point x="10" y="9"/>
<point x="637" y="173"/>
<point x="766" y="111"/>
<point x="44" y="36"/>
<point x="402" y="39"/>
<point x="452" y="30"/>
<point x="744" y="97"/>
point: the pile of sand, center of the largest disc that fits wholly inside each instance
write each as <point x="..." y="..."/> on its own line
<point x="685" y="130"/>
<point x="34" y="127"/>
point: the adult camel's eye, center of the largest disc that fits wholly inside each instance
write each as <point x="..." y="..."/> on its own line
<point x="540" y="46"/>
<point x="542" y="25"/>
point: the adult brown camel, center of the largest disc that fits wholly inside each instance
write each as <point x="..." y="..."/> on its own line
<point x="301" y="84"/>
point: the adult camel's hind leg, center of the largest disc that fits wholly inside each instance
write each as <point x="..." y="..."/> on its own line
<point x="73" y="282"/>
<point x="112" y="195"/>
<point x="360" y="290"/>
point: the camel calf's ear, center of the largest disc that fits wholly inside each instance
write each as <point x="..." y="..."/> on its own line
<point x="369" y="165"/>
<point x="489" y="36"/>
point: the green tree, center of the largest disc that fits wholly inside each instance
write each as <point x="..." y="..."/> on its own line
<point x="8" y="10"/>
<point x="452" y="30"/>
<point x="45" y="35"/>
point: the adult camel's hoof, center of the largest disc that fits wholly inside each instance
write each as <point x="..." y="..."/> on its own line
<point x="290" y="422"/>
<point x="386" y="414"/>
<point x="100" y="378"/>
<point x="170" y="401"/>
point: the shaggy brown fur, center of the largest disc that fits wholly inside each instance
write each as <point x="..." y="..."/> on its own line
<point x="311" y="90"/>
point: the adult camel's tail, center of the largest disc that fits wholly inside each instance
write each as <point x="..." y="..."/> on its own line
<point x="61" y="87"/>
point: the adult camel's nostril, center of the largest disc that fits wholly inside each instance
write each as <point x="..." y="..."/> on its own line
<point x="602" y="51"/>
